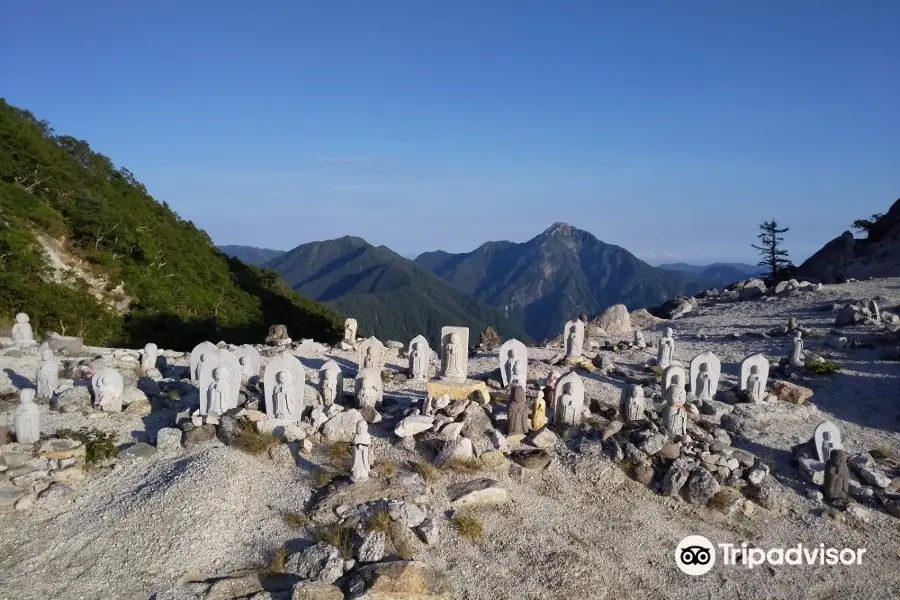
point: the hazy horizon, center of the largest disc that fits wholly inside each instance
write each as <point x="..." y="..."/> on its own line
<point x="671" y="130"/>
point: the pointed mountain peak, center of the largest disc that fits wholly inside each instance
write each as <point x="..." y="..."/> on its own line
<point x="560" y="228"/>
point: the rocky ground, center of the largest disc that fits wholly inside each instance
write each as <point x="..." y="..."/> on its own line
<point x="204" y="518"/>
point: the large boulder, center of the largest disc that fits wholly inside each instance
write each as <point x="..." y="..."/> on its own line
<point x="615" y="321"/>
<point x="321" y="562"/>
<point x="341" y="427"/>
<point x="791" y="392"/>
<point x="676" y="308"/>
<point x="479" y="492"/>
<point x="753" y="289"/>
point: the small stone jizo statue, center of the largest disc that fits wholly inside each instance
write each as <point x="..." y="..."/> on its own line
<point x="362" y="445"/>
<point x="797" y="353"/>
<point x="517" y="412"/>
<point x="539" y="410"/>
<point x="47" y="374"/>
<point x="837" y="476"/>
<point x="632" y="404"/>
<point x="22" y="334"/>
<point x="674" y="415"/>
<point x="27" y="420"/>
<point x="666" y="349"/>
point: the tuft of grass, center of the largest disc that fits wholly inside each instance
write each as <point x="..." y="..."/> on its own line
<point x="173" y="395"/>
<point x="338" y="454"/>
<point x="468" y="526"/>
<point x="323" y="477"/>
<point x="470" y="466"/>
<point x="380" y="521"/>
<point x="657" y="371"/>
<point x="99" y="446"/>
<point x="339" y="535"/>
<point x="823" y="367"/>
<point x="386" y="468"/>
<point x="276" y="564"/>
<point x="427" y="470"/>
<point x="882" y="453"/>
<point x="295" y="520"/>
<point x="251" y="441"/>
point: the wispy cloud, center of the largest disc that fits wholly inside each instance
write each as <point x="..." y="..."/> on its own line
<point x="361" y="161"/>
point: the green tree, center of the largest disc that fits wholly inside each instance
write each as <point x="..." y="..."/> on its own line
<point x="865" y="225"/>
<point x="773" y="254"/>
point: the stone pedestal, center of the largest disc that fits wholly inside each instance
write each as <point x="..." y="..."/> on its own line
<point x="435" y="388"/>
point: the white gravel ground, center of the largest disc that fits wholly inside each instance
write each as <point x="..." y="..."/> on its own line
<point x="579" y="529"/>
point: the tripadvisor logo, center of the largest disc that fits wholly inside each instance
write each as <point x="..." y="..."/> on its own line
<point x="696" y="555"/>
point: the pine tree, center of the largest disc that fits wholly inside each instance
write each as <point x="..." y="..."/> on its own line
<point x="774" y="256"/>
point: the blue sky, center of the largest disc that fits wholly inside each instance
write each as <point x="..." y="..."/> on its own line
<point x="670" y="128"/>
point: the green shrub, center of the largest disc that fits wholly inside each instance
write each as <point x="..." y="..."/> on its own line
<point x="823" y="367"/>
<point x="468" y="526"/>
<point x="99" y="446"/>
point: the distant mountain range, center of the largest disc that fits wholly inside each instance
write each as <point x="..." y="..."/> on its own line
<point x="526" y="290"/>
<point x="390" y="296"/>
<point x="250" y="255"/>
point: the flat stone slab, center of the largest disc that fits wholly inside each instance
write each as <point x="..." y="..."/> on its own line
<point x="9" y="495"/>
<point x="413" y="424"/>
<point x="479" y="492"/>
<point x="60" y="449"/>
<point x="531" y="458"/>
<point x="435" y="388"/>
<point x="139" y="450"/>
<point x="15" y="455"/>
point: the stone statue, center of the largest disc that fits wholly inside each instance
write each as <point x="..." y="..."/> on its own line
<point x="249" y="361"/>
<point x="284" y="384"/>
<point x="705" y="371"/>
<point x="454" y="353"/>
<point x="513" y="363"/>
<point x="331" y="382"/>
<point x="666" y="349"/>
<point x="368" y="387"/>
<point x="278" y="336"/>
<point x="837" y="477"/>
<point x="362" y="447"/>
<point x="350" y="331"/>
<point x="108" y="389"/>
<point x="369" y="362"/>
<point x="517" y="412"/>
<point x="419" y="358"/>
<point x="827" y="439"/>
<point x="47" y="374"/>
<point x="754" y="377"/>
<point x="220" y="383"/>
<point x="219" y="391"/>
<point x="22" y="335"/>
<point x="569" y="400"/>
<point x="639" y="340"/>
<point x="874" y="311"/>
<point x="200" y="354"/>
<point x="797" y="354"/>
<point x="148" y="358"/>
<point x="27" y="420"/>
<point x="631" y="405"/>
<point x="371" y="354"/>
<point x="574" y="338"/>
<point x="539" y="410"/>
<point x="674" y="415"/>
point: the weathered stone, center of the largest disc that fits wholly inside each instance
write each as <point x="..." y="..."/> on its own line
<point x="757" y="473"/>
<point x="701" y="486"/>
<point x="341" y="427"/>
<point x="29" y="478"/>
<point x="199" y="435"/>
<point x="168" y="438"/>
<point x="874" y="477"/>
<point x="744" y="458"/>
<point x="136" y="451"/>
<point x="653" y="444"/>
<point x="460" y="450"/>
<point x="791" y="392"/>
<point x="752" y="289"/>
<point x="61" y="449"/>
<point x="769" y="494"/>
<point x="406" y="513"/>
<point x="615" y="321"/>
<point x="728" y="500"/>
<point x="26" y="502"/>
<point x="372" y="547"/>
<point x="479" y="492"/>
<point x="675" y="478"/>
<point x="813" y="470"/>
<point x="68" y="475"/>
<point x="610" y="430"/>
<point x="401" y="580"/>
<point x="321" y="562"/>
<point x="138" y="408"/>
<point x="428" y="531"/>
<point x="643" y="474"/>
<point x="670" y="450"/>
<point x="413" y="424"/>
<point x="531" y="459"/>
<point x="456" y="408"/>
<point x="312" y="590"/>
<point x="544" y="439"/>
<point x="9" y="495"/>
